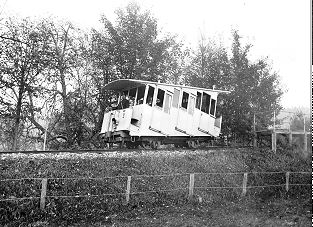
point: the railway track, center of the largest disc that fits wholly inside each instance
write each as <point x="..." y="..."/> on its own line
<point x="112" y="150"/>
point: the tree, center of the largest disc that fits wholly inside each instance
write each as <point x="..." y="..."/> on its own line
<point x="63" y="78"/>
<point x="129" y="48"/>
<point x="254" y="87"/>
<point x="102" y="71"/>
<point x="209" y="66"/>
<point x="299" y="121"/>
<point x="134" y="43"/>
<point x="23" y="60"/>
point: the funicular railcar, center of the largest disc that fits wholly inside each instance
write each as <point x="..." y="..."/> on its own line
<point x="157" y="113"/>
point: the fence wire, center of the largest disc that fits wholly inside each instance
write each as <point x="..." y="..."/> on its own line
<point x="136" y="177"/>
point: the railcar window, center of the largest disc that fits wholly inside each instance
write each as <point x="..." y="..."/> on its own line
<point x="198" y="101"/>
<point x="212" y="110"/>
<point x="125" y="92"/>
<point x="167" y="104"/>
<point x="160" y="98"/>
<point x="176" y="97"/>
<point x="206" y="103"/>
<point x="132" y="92"/>
<point x="184" y="101"/>
<point x="150" y="96"/>
<point x="191" y="105"/>
<point x="140" y="95"/>
<point x="132" y="96"/>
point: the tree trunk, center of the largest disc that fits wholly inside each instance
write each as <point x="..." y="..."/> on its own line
<point x="18" y="115"/>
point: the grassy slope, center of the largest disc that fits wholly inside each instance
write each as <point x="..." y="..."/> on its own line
<point x="136" y="163"/>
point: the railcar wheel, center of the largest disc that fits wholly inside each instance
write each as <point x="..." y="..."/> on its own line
<point x="122" y="144"/>
<point x="155" y="145"/>
<point x="145" y="145"/>
<point x="179" y="145"/>
<point x="192" y="144"/>
<point x="131" y="145"/>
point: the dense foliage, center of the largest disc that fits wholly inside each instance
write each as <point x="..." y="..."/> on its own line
<point x="52" y="76"/>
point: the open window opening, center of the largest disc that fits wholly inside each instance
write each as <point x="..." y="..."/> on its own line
<point x="140" y="95"/>
<point x="125" y="93"/>
<point x="132" y="96"/>
<point x="150" y="95"/>
<point x="198" y="101"/>
<point x="205" y="107"/>
<point x="123" y="100"/>
<point x="212" y="109"/>
<point x="160" y="98"/>
<point x="184" y="101"/>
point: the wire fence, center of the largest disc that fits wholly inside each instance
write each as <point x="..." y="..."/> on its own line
<point x="138" y="184"/>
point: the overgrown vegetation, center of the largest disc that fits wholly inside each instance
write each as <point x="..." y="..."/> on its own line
<point x="66" y="211"/>
<point x="52" y="76"/>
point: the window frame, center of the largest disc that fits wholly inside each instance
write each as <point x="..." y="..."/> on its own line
<point x="182" y="99"/>
<point x="198" y="101"/>
<point x="157" y="94"/>
<point x="206" y="110"/>
<point x="214" y="110"/>
<point x="143" y="97"/>
<point x="146" y="95"/>
<point x="178" y="98"/>
<point x="191" y="107"/>
<point x="170" y="95"/>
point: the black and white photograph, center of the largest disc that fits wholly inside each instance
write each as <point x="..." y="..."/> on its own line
<point x="156" y="113"/>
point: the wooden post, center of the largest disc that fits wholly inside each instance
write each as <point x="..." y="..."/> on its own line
<point x="274" y="124"/>
<point x="274" y="141"/>
<point x="305" y="144"/>
<point x="254" y="133"/>
<point x="45" y="139"/>
<point x="287" y="181"/>
<point x="244" y="184"/>
<point x="191" y="185"/>
<point x="43" y="193"/>
<point x="128" y="189"/>
<point x="305" y="141"/>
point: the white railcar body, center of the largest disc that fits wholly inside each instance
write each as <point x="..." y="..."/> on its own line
<point x="162" y="112"/>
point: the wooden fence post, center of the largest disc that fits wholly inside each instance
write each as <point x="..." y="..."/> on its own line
<point x="128" y="189"/>
<point x="191" y="185"/>
<point x="244" y="184"/>
<point x="287" y="181"/>
<point x="43" y="194"/>
<point x="305" y="144"/>
<point x="274" y="140"/>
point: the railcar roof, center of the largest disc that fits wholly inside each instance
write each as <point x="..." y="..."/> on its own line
<point x="124" y="84"/>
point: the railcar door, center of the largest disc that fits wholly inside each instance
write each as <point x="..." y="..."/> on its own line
<point x="185" y="114"/>
<point x="207" y="116"/>
<point x="161" y="119"/>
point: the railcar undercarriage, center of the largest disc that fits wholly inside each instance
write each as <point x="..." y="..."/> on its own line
<point x="123" y="139"/>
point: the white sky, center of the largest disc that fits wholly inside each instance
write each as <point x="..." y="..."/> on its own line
<point x="279" y="29"/>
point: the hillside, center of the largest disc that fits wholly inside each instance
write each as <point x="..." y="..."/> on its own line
<point x="157" y="172"/>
